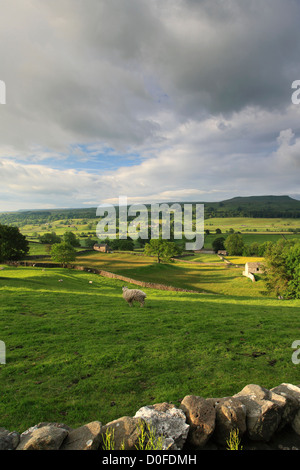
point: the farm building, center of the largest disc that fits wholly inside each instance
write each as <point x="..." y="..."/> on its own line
<point x="101" y="247"/>
<point x="253" y="268"/>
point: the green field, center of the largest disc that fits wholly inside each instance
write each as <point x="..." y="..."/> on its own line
<point x="216" y="278"/>
<point x="249" y="224"/>
<point x="253" y="229"/>
<point x="251" y="237"/>
<point x="76" y="352"/>
<point x="77" y="226"/>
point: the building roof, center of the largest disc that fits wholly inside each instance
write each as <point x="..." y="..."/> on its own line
<point x="253" y="264"/>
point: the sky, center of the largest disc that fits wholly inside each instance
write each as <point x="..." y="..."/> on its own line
<point x="155" y="100"/>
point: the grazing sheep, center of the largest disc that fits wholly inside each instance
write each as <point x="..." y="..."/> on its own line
<point x="131" y="295"/>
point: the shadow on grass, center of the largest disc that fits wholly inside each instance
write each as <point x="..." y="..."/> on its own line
<point x="169" y="274"/>
<point x="88" y="351"/>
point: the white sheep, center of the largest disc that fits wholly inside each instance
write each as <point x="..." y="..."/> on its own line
<point x="131" y="295"/>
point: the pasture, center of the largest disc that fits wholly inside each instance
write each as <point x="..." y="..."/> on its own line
<point x="250" y="224"/>
<point x="76" y="352"/>
<point x="210" y="276"/>
<point x="253" y="230"/>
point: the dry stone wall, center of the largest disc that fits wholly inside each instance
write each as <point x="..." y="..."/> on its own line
<point x="101" y="272"/>
<point x="264" y="419"/>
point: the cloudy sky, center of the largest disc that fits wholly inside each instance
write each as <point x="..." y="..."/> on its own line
<point x="157" y="100"/>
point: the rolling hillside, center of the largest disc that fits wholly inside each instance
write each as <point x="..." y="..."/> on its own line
<point x="252" y="206"/>
<point x="255" y="206"/>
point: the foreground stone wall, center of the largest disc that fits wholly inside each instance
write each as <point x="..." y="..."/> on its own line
<point x="264" y="419"/>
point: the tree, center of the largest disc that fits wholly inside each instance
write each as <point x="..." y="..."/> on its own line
<point x="234" y="244"/>
<point x="126" y="245"/>
<point x="63" y="253"/>
<point x="89" y="242"/>
<point x="70" y="237"/>
<point x="218" y="244"/>
<point x="252" y="250"/>
<point x="163" y="249"/>
<point x="13" y="245"/>
<point x="263" y="247"/>
<point x="50" y="238"/>
<point x="282" y="268"/>
<point x="122" y="245"/>
<point x="293" y="270"/>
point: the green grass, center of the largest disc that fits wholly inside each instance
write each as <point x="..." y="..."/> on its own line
<point x="76" y="352"/>
<point x="37" y="249"/>
<point x="248" y="238"/>
<point x="246" y="224"/>
<point x="242" y="260"/>
<point x="203" y="258"/>
<point x="207" y="276"/>
<point x="216" y="278"/>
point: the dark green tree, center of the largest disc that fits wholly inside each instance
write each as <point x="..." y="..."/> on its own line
<point x="126" y="245"/>
<point x="282" y="268"/>
<point x="252" y="250"/>
<point x="123" y="245"/>
<point x="234" y="244"/>
<point x="50" y="238"/>
<point x="89" y="242"/>
<point x="13" y="245"/>
<point x="218" y="244"/>
<point x="70" y="237"/>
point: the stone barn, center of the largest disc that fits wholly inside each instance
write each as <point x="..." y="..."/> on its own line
<point x="103" y="247"/>
<point x="253" y="268"/>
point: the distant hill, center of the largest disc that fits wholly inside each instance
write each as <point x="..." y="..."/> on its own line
<point x="252" y="206"/>
<point x="255" y="206"/>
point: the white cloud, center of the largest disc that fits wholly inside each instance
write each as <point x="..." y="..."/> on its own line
<point x="215" y="158"/>
<point x="199" y="91"/>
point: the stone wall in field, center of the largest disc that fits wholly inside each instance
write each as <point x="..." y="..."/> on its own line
<point x="101" y="272"/>
<point x="254" y="418"/>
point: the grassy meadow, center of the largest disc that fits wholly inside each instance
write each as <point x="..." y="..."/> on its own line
<point x="247" y="224"/>
<point x="76" y="352"/>
<point x="210" y="277"/>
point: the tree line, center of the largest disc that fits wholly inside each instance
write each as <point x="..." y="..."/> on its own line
<point x="235" y="246"/>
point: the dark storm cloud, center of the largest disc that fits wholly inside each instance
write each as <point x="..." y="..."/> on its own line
<point x="196" y="89"/>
